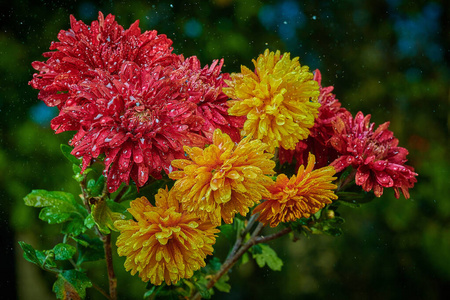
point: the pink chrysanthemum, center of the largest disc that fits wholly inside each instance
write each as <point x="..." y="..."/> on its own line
<point x="320" y="133"/>
<point x="374" y="154"/>
<point x="139" y="119"/>
<point x="205" y="88"/>
<point x="105" y="45"/>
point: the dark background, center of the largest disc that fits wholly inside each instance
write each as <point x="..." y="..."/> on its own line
<point x="387" y="58"/>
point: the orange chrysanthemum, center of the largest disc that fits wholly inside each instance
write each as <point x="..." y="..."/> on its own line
<point x="279" y="99"/>
<point x="300" y="196"/>
<point x="164" y="243"/>
<point x="224" y="178"/>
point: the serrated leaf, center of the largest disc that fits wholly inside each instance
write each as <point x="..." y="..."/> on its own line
<point x="55" y="214"/>
<point x="268" y="256"/>
<point x="222" y="284"/>
<point x="78" y="176"/>
<point x="29" y="253"/>
<point x="97" y="187"/>
<point x="36" y="256"/>
<point x="256" y="249"/>
<point x="64" y="251"/>
<point x="328" y="226"/>
<point x="59" y="207"/>
<point x="89" y="221"/>
<point x="90" y="184"/>
<point x="66" y="151"/>
<point x="200" y="284"/>
<point x="90" y="249"/>
<point x="104" y="217"/>
<point x="333" y="231"/>
<point x="245" y="258"/>
<point x="43" y="198"/>
<point x="71" y="284"/>
<point x="75" y="226"/>
<point x="214" y="265"/>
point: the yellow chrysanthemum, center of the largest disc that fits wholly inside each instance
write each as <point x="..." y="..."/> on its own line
<point x="279" y="99"/>
<point x="300" y="196"/>
<point x="165" y="243"/>
<point x="224" y="178"/>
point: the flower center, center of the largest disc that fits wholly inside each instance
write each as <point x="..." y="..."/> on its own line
<point x="377" y="149"/>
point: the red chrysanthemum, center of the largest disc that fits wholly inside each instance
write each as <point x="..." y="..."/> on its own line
<point x="130" y="98"/>
<point x="320" y="133"/>
<point x="205" y="87"/>
<point x="379" y="162"/>
<point x="140" y="119"/>
<point x="105" y="45"/>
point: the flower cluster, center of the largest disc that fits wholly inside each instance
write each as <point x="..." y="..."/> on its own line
<point x="144" y="110"/>
<point x="165" y="243"/>
<point x="130" y="98"/>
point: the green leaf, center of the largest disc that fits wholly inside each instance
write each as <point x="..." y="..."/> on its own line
<point x="200" y="279"/>
<point x="349" y="204"/>
<point x="29" y="253"/>
<point x="355" y="198"/>
<point x="201" y="284"/>
<point x="78" y="176"/>
<point x="268" y="256"/>
<point x="149" y="292"/>
<point x="64" y="251"/>
<point x="59" y="207"/>
<point x="130" y="194"/>
<point x="37" y="257"/>
<point x="65" y="149"/>
<point x="104" y="216"/>
<point x="71" y="283"/>
<point x="238" y="224"/>
<point x="96" y="188"/>
<point x="245" y="258"/>
<point x="89" y="221"/>
<point x="43" y="198"/>
<point x="75" y="226"/>
<point x="222" y="284"/>
<point x="228" y="231"/>
<point x="328" y="226"/>
<point x="55" y="214"/>
<point x="90" y="249"/>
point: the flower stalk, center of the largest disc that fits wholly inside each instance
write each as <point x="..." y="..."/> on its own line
<point x="106" y="239"/>
<point x="240" y="248"/>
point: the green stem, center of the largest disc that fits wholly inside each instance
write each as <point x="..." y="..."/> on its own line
<point x="106" y="239"/>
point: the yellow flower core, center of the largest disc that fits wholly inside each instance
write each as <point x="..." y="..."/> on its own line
<point x="165" y="243"/>
<point x="224" y="178"/>
<point x="300" y="196"/>
<point x="279" y="99"/>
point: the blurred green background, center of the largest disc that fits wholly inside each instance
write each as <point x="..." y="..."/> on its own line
<point x="387" y="58"/>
